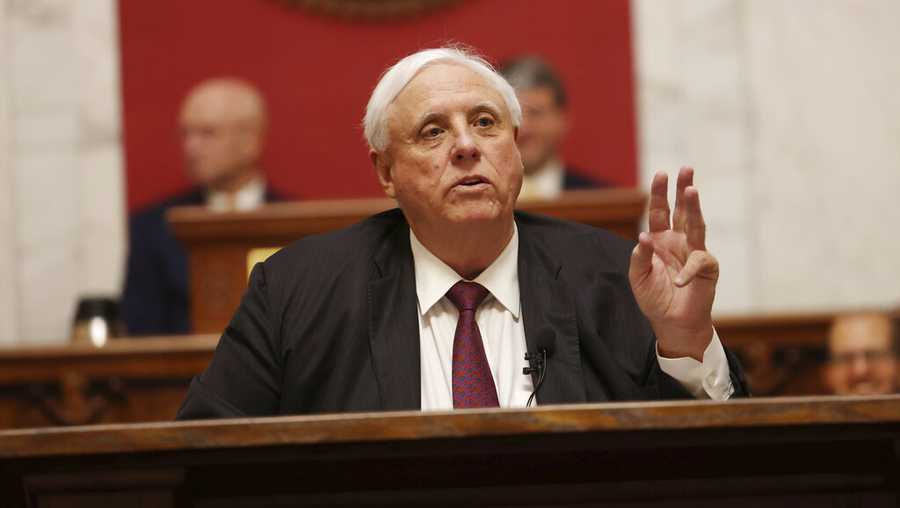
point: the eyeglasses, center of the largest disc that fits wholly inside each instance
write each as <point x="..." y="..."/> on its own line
<point x="870" y="355"/>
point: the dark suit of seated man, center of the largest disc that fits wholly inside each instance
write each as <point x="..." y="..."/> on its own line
<point x="223" y="123"/>
<point x="545" y="124"/>
<point x="435" y="304"/>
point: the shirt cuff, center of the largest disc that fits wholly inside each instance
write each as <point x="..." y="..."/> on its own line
<point x="710" y="379"/>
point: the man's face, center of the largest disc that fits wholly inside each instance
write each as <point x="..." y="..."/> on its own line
<point x="544" y="125"/>
<point x="215" y="144"/>
<point x="452" y="156"/>
<point x="862" y="360"/>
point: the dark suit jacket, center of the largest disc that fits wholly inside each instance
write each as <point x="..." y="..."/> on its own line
<point x="155" y="299"/>
<point x="329" y="324"/>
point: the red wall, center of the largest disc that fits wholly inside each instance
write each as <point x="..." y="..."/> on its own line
<point x="317" y="71"/>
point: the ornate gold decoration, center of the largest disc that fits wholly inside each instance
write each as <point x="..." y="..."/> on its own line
<point x="369" y="9"/>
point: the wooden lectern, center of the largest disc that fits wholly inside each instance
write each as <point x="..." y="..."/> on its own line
<point x="218" y="243"/>
<point x="799" y="452"/>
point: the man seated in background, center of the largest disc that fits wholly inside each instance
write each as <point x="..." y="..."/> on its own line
<point x="222" y="126"/>
<point x="545" y="124"/>
<point x="862" y="350"/>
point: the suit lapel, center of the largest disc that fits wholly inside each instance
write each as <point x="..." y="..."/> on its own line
<point x="393" y="323"/>
<point x="549" y="314"/>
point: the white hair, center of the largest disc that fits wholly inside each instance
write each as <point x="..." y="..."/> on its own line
<point x="395" y="79"/>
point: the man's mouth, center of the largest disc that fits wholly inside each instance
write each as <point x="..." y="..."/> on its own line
<point x="471" y="181"/>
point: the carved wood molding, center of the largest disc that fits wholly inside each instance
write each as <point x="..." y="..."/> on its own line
<point x="76" y="403"/>
<point x="374" y="10"/>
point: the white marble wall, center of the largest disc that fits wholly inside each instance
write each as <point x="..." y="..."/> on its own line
<point x="64" y="231"/>
<point x="692" y="110"/>
<point x="9" y="304"/>
<point x="826" y="85"/>
<point x="790" y="113"/>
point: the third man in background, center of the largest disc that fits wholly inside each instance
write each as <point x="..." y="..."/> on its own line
<point x="545" y="124"/>
<point x="862" y="351"/>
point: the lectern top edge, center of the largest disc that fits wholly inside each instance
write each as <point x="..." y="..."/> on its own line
<point x="882" y="412"/>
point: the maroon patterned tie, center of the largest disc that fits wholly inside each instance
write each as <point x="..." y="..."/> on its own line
<point x="473" y="383"/>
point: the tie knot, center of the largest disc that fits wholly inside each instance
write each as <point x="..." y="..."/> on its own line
<point x="467" y="295"/>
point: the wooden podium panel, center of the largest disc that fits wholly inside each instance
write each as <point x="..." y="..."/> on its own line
<point x="799" y="452"/>
<point x="218" y="243"/>
<point x="127" y="380"/>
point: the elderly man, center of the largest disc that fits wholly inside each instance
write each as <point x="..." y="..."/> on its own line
<point x="545" y="123"/>
<point x="862" y="349"/>
<point x="222" y="124"/>
<point x="434" y="305"/>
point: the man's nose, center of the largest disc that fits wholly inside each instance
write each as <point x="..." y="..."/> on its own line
<point x="859" y="367"/>
<point x="465" y="148"/>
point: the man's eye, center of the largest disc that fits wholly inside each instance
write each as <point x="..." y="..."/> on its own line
<point x="484" y="121"/>
<point x="432" y="132"/>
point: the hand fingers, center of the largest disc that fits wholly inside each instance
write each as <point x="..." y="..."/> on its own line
<point x="641" y="257"/>
<point x="699" y="264"/>
<point x="658" y="214"/>
<point x="685" y="180"/>
<point x="695" y="226"/>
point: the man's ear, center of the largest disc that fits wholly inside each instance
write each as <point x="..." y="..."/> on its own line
<point x="382" y="164"/>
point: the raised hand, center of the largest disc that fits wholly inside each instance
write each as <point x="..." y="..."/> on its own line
<point x="672" y="275"/>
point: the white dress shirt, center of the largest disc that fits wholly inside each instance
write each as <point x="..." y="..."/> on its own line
<point x="502" y="329"/>
<point x="545" y="183"/>
<point x="250" y="196"/>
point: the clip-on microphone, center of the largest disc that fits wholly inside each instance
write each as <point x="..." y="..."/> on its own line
<point x="537" y="364"/>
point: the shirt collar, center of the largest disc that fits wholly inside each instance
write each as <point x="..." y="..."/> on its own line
<point x="545" y="183"/>
<point x="248" y="197"/>
<point x="434" y="278"/>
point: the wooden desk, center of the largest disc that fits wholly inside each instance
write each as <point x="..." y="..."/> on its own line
<point x="141" y="380"/>
<point x="218" y="243"/>
<point x="799" y="452"/>
<point x="128" y="380"/>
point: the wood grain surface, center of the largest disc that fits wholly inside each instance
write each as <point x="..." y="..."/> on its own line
<point x="406" y="426"/>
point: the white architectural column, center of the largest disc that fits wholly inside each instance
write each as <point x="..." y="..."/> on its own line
<point x="65" y="159"/>
<point x="9" y="277"/>
<point x="44" y="84"/>
<point x="101" y="242"/>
